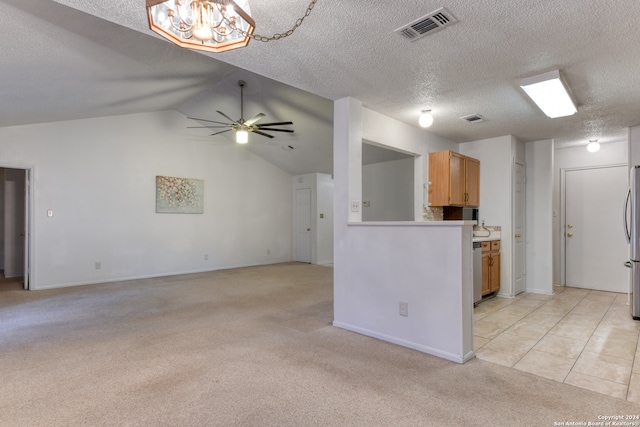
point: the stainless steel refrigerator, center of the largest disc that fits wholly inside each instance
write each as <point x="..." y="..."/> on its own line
<point x="632" y="232"/>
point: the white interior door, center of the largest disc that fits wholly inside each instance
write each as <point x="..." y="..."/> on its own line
<point x="595" y="246"/>
<point x="302" y="225"/>
<point x="519" y="261"/>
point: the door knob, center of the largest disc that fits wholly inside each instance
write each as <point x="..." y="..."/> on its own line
<point x="569" y="234"/>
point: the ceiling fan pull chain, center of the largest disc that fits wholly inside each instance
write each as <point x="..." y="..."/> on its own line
<point x="276" y="36"/>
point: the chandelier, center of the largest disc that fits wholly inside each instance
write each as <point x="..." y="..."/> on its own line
<point x="209" y="25"/>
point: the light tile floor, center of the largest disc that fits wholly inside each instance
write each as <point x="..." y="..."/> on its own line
<point x="577" y="336"/>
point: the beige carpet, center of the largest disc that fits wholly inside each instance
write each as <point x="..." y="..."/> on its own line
<point x="244" y="347"/>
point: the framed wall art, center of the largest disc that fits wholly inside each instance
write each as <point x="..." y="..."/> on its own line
<point x="179" y="195"/>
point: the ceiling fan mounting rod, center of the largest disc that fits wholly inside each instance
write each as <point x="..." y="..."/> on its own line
<point x="242" y="84"/>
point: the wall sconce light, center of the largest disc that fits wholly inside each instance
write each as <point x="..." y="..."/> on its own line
<point x="550" y="93"/>
<point x="593" y="146"/>
<point x="426" y="119"/>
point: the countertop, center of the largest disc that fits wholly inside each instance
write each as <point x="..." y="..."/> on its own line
<point x="480" y="233"/>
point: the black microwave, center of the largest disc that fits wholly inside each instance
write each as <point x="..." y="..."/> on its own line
<point x="470" y="214"/>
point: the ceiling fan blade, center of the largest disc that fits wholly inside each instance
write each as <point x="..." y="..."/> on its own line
<point x="225" y="116"/>
<point x="222" y="131"/>
<point x="275" y="124"/>
<point x="276" y="130"/>
<point x="204" y="120"/>
<point x="254" y="119"/>
<point x="263" y="134"/>
<point x="209" y="127"/>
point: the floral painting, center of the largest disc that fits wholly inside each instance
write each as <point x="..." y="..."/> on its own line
<point x="179" y="195"/>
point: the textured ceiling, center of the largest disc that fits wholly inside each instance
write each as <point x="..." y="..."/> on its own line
<point x="97" y="58"/>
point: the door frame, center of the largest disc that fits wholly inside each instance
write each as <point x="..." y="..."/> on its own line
<point x="562" y="226"/>
<point x="515" y="164"/>
<point x="29" y="228"/>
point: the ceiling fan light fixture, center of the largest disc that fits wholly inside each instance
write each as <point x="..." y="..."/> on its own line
<point x="241" y="126"/>
<point x="242" y="136"/>
<point x="426" y="119"/>
<point x="551" y="94"/>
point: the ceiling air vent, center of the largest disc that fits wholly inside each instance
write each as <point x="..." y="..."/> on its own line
<point x="427" y="24"/>
<point x="474" y="118"/>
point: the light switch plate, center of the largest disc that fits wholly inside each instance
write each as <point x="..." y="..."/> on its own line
<point x="50" y="213"/>
<point x="404" y="309"/>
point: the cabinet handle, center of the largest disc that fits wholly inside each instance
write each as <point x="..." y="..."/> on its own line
<point x="490" y="261"/>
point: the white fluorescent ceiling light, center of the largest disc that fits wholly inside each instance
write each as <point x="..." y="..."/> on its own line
<point x="550" y="93"/>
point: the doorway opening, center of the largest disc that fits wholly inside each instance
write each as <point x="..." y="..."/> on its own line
<point x="15" y="221"/>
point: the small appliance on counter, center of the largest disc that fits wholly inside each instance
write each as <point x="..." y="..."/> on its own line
<point x="453" y="213"/>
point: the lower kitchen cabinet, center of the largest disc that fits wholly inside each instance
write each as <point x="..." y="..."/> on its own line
<point x="490" y="267"/>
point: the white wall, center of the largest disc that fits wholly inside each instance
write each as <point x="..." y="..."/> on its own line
<point x="98" y="176"/>
<point x="634" y="145"/>
<point x="389" y="189"/>
<point x="614" y="153"/>
<point x="321" y="186"/>
<point x="496" y="157"/>
<point x="379" y="265"/>
<point x="539" y="221"/>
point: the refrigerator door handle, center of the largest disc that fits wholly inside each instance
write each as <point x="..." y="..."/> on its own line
<point x="627" y="234"/>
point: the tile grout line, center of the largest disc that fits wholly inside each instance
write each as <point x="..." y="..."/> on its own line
<point x="589" y="339"/>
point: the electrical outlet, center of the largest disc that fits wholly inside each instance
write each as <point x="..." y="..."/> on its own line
<point x="355" y="206"/>
<point x="404" y="309"/>
<point x="98" y="265"/>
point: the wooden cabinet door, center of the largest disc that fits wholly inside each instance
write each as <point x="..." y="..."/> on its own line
<point x="472" y="181"/>
<point x="454" y="179"/>
<point x="439" y="173"/>
<point x="495" y="272"/>
<point x="457" y="179"/>
<point x="486" y="272"/>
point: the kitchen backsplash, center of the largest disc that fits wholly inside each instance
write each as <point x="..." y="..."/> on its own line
<point x="432" y="213"/>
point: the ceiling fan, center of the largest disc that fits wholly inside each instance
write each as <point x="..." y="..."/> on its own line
<point x="241" y="126"/>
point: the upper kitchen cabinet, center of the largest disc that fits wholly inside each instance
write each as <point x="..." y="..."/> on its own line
<point x="454" y="179"/>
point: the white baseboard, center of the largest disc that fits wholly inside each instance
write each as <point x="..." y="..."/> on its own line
<point x="409" y="344"/>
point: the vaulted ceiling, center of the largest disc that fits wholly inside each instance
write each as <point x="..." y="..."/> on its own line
<point x="71" y="59"/>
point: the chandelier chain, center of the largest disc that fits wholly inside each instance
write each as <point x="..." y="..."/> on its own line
<point x="276" y="36"/>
